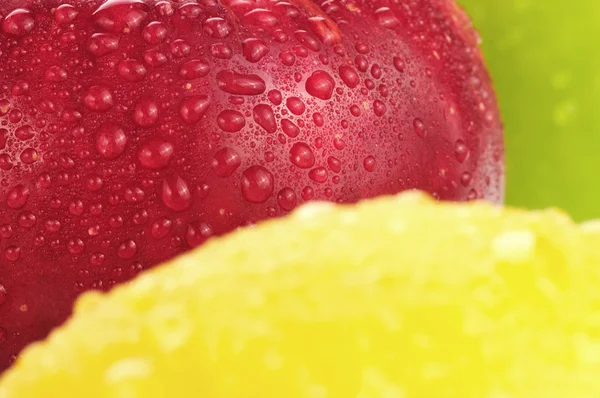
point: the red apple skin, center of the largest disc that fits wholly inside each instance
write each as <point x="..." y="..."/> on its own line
<point x="133" y="131"/>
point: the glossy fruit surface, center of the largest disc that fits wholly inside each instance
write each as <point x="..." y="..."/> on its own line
<point x="134" y="130"/>
<point x="545" y="61"/>
<point x="380" y="299"/>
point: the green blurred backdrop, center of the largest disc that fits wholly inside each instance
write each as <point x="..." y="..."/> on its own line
<point x="544" y="56"/>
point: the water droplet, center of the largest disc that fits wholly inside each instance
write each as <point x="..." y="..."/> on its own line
<point x="254" y="49"/>
<point x="461" y="151"/>
<point x="472" y="195"/>
<point x="260" y="17"/>
<point x="264" y="117"/>
<point x="334" y="164"/>
<point x="154" y="33"/>
<point x="25" y="132"/>
<point x="295" y="105"/>
<point x="120" y="16"/>
<point x="318" y="174"/>
<point x="55" y="74"/>
<point x="161" y="228"/>
<point x="180" y="48"/>
<point x="307" y="40"/>
<point x="132" y="70"/>
<point x="145" y="113"/>
<point x="225" y="162"/>
<point x="94" y="183"/>
<point x="362" y="64"/>
<point x="97" y="259"/>
<point x="302" y="156"/>
<point x="257" y="184"/>
<point x="193" y="108"/>
<point x="101" y="44"/>
<point x="98" y="98"/>
<point x="52" y="225"/>
<point x="75" y="246"/>
<point x="17" y="197"/>
<point x="194" y="69"/>
<point x="27" y="219"/>
<point x="15" y="116"/>
<point x="287" y="58"/>
<point x="127" y="249"/>
<point x="369" y="163"/>
<point x="21" y="87"/>
<point x="349" y="76"/>
<point x="379" y="108"/>
<point x="419" y="127"/>
<point x="235" y="83"/>
<point x="289" y="128"/>
<point x="286" y="199"/>
<point x="275" y="97"/>
<point x="110" y="141"/>
<point x="355" y="110"/>
<point x="217" y="27"/>
<point x="386" y="18"/>
<point x="76" y="207"/>
<point x="320" y="85"/>
<point x="65" y="13"/>
<point x="376" y="71"/>
<point x="134" y="195"/>
<point x="29" y="156"/>
<point x="221" y="51"/>
<point x="318" y="119"/>
<point x="465" y="179"/>
<point x="3" y="295"/>
<point x="325" y="30"/>
<point x="197" y="233"/>
<point x="6" y="231"/>
<point x="156" y="154"/>
<point x="231" y="121"/>
<point x="175" y="193"/>
<point x="155" y="57"/>
<point x="307" y="193"/>
<point x="18" y="23"/>
<point x="399" y="64"/>
<point x="12" y="253"/>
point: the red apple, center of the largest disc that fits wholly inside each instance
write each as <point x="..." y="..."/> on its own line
<point x="131" y="131"/>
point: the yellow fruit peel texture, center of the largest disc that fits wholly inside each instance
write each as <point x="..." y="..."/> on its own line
<point x="397" y="297"/>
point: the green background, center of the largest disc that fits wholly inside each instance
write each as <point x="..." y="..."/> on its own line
<point x="544" y="57"/>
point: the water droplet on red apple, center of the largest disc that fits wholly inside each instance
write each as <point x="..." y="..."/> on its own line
<point x="194" y="69"/>
<point x="161" y="228"/>
<point x="307" y="193"/>
<point x="131" y="70"/>
<point x="18" y="23"/>
<point x="76" y="207"/>
<point x="145" y="113"/>
<point x="386" y="18"/>
<point x="197" y="233"/>
<point x="264" y="117"/>
<point x="17" y="197"/>
<point x="379" y="108"/>
<point x="120" y="16"/>
<point x="65" y="13"/>
<point x="369" y="163"/>
<point x="55" y="74"/>
<point x="286" y="199"/>
<point x="29" y="156"/>
<point x="289" y="128"/>
<point x="97" y="259"/>
<point x="257" y="184"/>
<point x="237" y="83"/>
<point x="419" y="127"/>
<point x="175" y="193"/>
<point x="100" y="44"/>
<point x="217" y="27"/>
<point x="231" y="121"/>
<point x="461" y="151"/>
<point x="349" y="76"/>
<point x="254" y="49"/>
<point x="155" y="32"/>
<point x="295" y="105"/>
<point x="287" y="58"/>
<point x="12" y="253"/>
<point x="318" y="174"/>
<point x="127" y="249"/>
<point x="260" y="17"/>
<point x="156" y="154"/>
<point x="275" y="97"/>
<point x="193" y="108"/>
<point x="465" y="179"/>
<point x="225" y="162"/>
<point x="27" y="219"/>
<point x="302" y="156"/>
<point x="155" y="57"/>
<point x="334" y="164"/>
<point x="110" y="140"/>
<point x="180" y="48"/>
<point x="75" y="246"/>
<point x="320" y="85"/>
<point x="98" y="98"/>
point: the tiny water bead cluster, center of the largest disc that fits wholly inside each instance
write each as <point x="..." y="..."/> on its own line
<point x="133" y="130"/>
